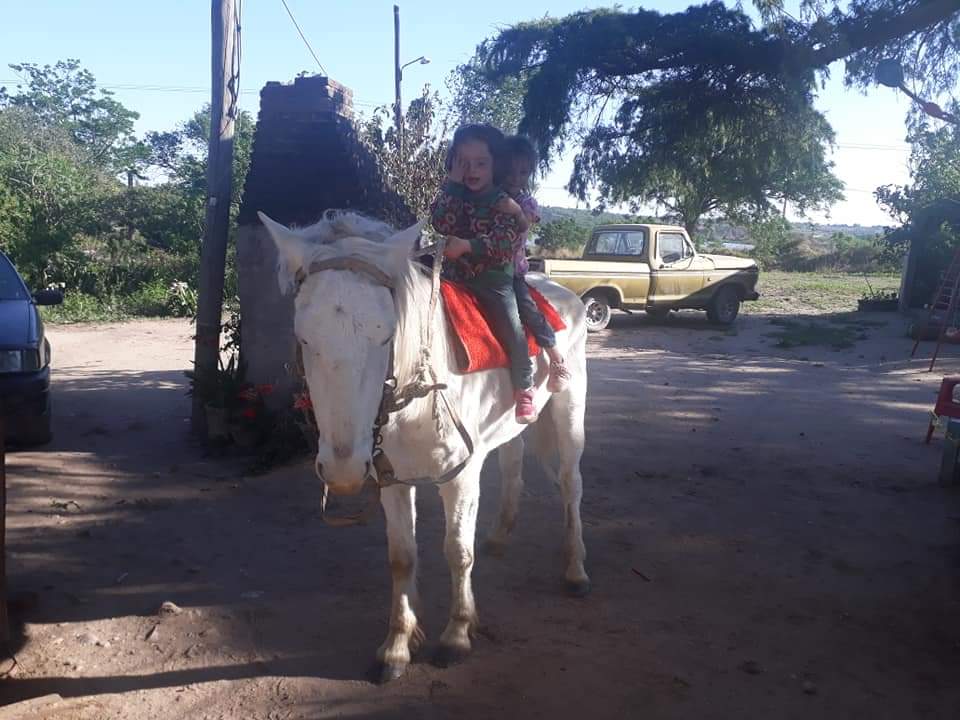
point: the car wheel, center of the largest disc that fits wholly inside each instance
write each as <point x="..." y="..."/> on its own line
<point x="597" y="312"/>
<point x="658" y="314"/>
<point x="725" y="306"/>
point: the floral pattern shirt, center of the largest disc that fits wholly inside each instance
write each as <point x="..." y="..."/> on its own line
<point x="492" y="234"/>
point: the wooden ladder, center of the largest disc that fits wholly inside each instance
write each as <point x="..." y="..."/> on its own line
<point x="943" y="307"/>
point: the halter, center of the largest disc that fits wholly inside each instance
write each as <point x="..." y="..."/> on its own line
<point x="394" y="398"/>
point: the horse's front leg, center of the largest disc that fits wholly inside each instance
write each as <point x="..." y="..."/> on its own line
<point x="405" y="635"/>
<point x="460" y="500"/>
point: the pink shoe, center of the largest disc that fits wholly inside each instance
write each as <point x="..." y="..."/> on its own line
<point x="559" y="378"/>
<point x="526" y="411"/>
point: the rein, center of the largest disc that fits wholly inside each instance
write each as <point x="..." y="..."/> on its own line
<point x="394" y="398"/>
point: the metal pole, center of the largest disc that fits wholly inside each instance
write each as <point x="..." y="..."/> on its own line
<point x="225" y="75"/>
<point x="397" y="76"/>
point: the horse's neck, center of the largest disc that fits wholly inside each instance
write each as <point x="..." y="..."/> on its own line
<point x="417" y="327"/>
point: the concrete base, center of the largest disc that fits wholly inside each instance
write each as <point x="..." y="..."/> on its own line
<point x="268" y="345"/>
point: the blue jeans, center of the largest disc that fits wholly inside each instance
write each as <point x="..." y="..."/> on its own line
<point x="531" y="316"/>
<point x="499" y="301"/>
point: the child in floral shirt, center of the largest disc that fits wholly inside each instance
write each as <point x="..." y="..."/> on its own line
<point x="485" y="224"/>
<point x="523" y="161"/>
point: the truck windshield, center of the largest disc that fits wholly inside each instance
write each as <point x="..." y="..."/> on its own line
<point x="11" y="288"/>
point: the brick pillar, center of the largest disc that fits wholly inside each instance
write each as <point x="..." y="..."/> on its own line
<point x="306" y="159"/>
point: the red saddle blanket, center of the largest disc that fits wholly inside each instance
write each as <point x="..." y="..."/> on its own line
<point x="478" y="348"/>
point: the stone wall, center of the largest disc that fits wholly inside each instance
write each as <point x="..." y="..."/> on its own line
<point x="306" y="159"/>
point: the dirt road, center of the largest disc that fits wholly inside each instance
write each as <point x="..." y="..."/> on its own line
<point x="763" y="525"/>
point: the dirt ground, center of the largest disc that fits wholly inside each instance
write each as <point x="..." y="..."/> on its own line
<point x="764" y="530"/>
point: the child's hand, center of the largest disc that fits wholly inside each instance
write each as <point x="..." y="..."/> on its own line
<point x="457" y="170"/>
<point x="456" y="247"/>
<point x="509" y="206"/>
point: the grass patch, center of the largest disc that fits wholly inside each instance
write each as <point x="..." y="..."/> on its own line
<point x="794" y="293"/>
<point x="796" y="333"/>
<point x="81" y="308"/>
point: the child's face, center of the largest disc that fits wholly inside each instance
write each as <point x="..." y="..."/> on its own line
<point x="520" y="173"/>
<point x="477" y="163"/>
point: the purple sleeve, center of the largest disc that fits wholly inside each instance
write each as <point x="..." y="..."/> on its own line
<point x="530" y="208"/>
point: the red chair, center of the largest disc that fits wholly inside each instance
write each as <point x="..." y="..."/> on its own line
<point x="946" y="406"/>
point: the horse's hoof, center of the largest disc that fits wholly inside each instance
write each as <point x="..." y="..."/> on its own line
<point x="447" y="655"/>
<point x="381" y="673"/>
<point x="578" y="588"/>
<point x="494" y="548"/>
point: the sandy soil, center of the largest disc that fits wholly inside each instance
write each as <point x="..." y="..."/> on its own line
<point x="764" y="530"/>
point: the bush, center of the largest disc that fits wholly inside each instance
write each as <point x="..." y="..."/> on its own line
<point x="79" y="307"/>
<point x="151" y="300"/>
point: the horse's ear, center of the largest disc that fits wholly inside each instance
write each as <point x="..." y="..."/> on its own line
<point x="290" y="252"/>
<point x="403" y="242"/>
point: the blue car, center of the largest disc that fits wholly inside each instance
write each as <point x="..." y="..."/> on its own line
<point x="24" y="359"/>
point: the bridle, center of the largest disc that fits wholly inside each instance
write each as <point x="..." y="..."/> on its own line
<point x="394" y="398"/>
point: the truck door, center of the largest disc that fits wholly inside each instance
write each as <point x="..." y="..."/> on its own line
<point x="677" y="273"/>
<point x="619" y="259"/>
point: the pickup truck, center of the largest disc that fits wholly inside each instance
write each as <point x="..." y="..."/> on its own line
<point x="654" y="268"/>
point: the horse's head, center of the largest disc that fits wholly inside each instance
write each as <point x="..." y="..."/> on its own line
<point x="342" y="272"/>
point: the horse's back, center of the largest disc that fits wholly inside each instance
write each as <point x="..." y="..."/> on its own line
<point x="567" y="302"/>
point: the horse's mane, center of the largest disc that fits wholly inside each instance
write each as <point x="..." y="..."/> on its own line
<point x="351" y="233"/>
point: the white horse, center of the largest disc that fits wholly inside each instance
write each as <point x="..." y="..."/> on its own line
<point x="360" y="299"/>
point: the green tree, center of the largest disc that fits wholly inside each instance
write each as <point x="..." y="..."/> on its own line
<point x="699" y="146"/>
<point x="928" y="208"/>
<point x="618" y="81"/>
<point x="414" y="168"/>
<point x="48" y="187"/>
<point x="475" y="98"/>
<point x="563" y="234"/>
<point x="66" y="95"/>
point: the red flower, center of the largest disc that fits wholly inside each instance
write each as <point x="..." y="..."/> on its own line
<point x="248" y="393"/>
<point x="301" y="401"/>
<point x="264" y="389"/>
<point x="249" y="413"/>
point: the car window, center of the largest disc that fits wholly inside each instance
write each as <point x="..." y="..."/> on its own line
<point x="673" y="247"/>
<point x="11" y="288"/>
<point x="618" y="242"/>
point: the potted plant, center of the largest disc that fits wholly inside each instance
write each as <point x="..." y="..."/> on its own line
<point x="249" y="420"/>
<point x="220" y="393"/>
<point x="877" y="300"/>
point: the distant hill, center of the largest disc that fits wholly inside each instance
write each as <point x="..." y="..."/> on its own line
<point x="708" y="230"/>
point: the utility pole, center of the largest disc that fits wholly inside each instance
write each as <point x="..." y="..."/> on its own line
<point x="397" y="75"/>
<point x="225" y="62"/>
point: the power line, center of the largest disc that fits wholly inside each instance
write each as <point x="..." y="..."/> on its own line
<point x="303" y="37"/>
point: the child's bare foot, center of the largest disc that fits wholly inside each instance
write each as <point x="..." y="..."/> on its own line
<point x="559" y="378"/>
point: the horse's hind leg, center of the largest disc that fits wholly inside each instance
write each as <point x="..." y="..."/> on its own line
<point x="510" y="455"/>
<point x="405" y="634"/>
<point x="567" y="415"/>
<point x="460" y="500"/>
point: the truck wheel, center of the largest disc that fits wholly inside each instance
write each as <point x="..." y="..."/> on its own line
<point x="598" y="313"/>
<point x="725" y="306"/>
<point x="658" y="315"/>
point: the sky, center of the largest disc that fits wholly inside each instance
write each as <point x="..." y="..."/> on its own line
<point x="155" y="57"/>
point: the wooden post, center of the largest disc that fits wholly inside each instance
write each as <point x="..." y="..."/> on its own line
<point x="223" y="107"/>
<point x="4" y="620"/>
<point x="397" y="77"/>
